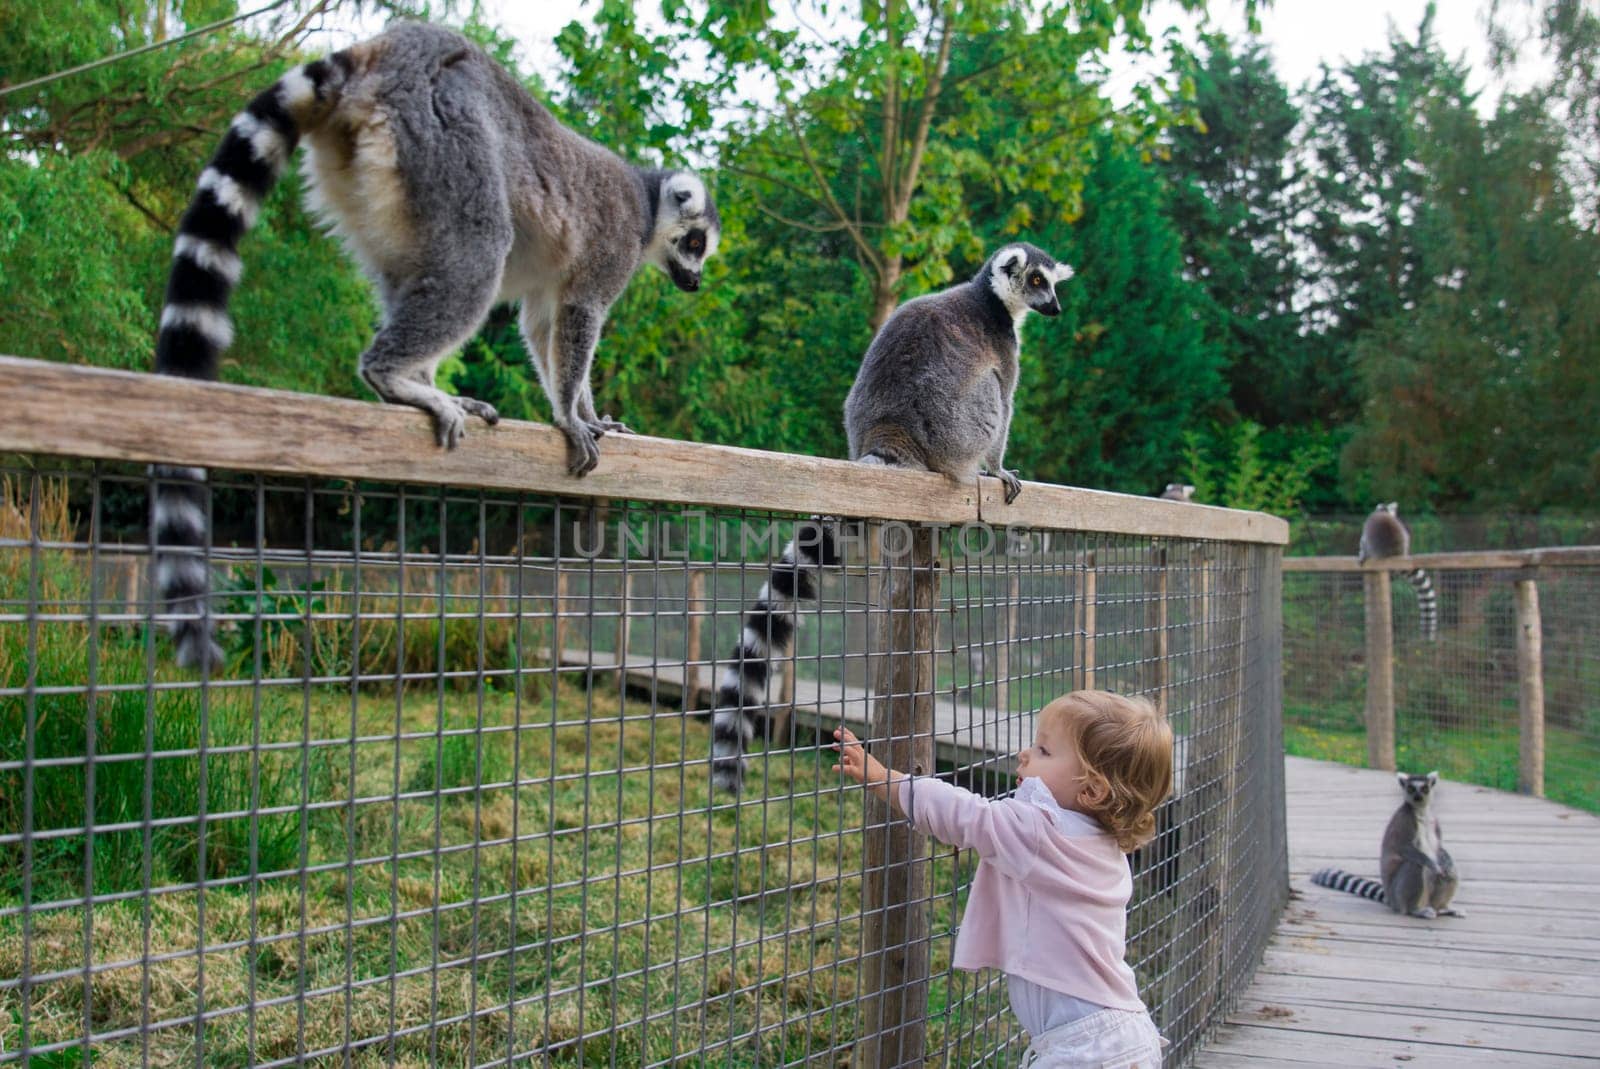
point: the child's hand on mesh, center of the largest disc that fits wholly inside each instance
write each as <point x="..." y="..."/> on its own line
<point x="855" y="762"/>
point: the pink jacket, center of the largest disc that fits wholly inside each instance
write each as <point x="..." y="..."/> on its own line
<point x="1045" y="905"/>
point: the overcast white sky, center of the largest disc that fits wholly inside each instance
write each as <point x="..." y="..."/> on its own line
<point x="1302" y="33"/>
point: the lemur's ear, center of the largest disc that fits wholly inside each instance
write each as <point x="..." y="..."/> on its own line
<point x="1010" y="260"/>
<point x="1401" y="777"/>
<point x="1433" y="778"/>
<point x="1062" y="273"/>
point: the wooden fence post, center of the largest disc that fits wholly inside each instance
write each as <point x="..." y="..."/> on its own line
<point x="623" y="625"/>
<point x="1530" y="690"/>
<point x="894" y="896"/>
<point x="1380" y="672"/>
<point x="693" y="598"/>
<point x="1003" y="653"/>
<point x="558" y="623"/>
<point x="1087" y="600"/>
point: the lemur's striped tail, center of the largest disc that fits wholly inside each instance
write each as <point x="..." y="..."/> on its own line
<point x="1340" y="880"/>
<point x="768" y="629"/>
<point x="195" y="328"/>
<point x="1427" y="603"/>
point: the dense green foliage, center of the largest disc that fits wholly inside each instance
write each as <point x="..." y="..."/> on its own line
<point x="1293" y="297"/>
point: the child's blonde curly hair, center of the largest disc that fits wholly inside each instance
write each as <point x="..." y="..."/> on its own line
<point x="1125" y="745"/>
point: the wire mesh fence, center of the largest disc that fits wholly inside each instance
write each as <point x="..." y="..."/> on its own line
<point x="1456" y="697"/>
<point x="447" y="798"/>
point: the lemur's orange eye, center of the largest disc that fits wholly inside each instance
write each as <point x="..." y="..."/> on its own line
<point x="1037" y="281"/>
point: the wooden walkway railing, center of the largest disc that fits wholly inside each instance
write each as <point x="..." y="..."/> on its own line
<point x="1523" y="568"/>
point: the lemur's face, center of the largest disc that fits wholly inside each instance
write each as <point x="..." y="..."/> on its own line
<point x="687" y="230"/>
<point x="1417" y="788"/>
<point x="1025" y="277"/>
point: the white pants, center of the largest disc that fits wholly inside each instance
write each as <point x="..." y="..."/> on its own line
<point x="1110" y="1039"/>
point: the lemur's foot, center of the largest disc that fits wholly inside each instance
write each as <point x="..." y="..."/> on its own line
<point x="1426" y="913"/>
<point x="1013" y="484"/>
<point x="1452" y="912"/>
<point x="482" y="409"/>
<point x="583" y="450"/>
<point x="606" y="425"/>
<point x="449" y="423"/>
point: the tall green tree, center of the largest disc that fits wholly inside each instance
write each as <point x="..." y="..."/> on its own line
<point x="1486" y="393"/>
<point x="1110" y="389"/>
<point x="870" y="138"/>
<point x="1370" y="125"/>
<point x="1233" y="202"/>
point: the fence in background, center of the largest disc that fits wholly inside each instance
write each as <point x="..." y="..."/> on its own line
<point x="1507" y="695"/>
<point x="448" y="799"/>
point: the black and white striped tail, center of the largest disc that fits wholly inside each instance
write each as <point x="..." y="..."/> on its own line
<point x="195" y="328"/>
<point x="1427" y="603"/>
<point x="1340" y="880"/>
<point x="768" y="629"/>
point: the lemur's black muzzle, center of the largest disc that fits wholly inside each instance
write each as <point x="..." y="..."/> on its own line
<point x="1051" y="309"/>
<point x="686" y="280"/>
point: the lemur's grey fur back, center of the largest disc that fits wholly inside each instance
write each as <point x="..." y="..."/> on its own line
<point x="934" y="393"/>
<point x="453" y="189"/>
<point x="769" y="629"/>
<point x="1384" y="535"/>
<point x="1178" y="492"/>
<point x="936" y="386"/>
<point x="1419" y="876"/>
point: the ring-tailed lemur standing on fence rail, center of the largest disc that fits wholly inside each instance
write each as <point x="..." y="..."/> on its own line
<point x="1383" y="535"/>
<point x="454" y="190"/>
<point x="934" y="393"/>
<point x="1419" y="876"/>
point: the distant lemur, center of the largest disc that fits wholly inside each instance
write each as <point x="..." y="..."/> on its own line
<point x="1178" y="492"/>
<point x="1419" y="877"/>
<point x="934" y="393"/>
<point x="453" y="189"/>
<point x="1383" y="535"/>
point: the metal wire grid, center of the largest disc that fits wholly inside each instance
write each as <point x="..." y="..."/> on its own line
<point x="1456" y="701"/>
<point x="443" y="804"/>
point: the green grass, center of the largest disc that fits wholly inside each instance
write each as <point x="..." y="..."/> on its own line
<point x="604" y="843"/>
<point x="1480" y="756"/>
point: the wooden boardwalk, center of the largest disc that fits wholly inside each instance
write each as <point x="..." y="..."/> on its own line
<point x="1345" y="982"/>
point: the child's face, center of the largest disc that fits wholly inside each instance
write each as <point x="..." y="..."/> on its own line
<point x="1053" y="759"/>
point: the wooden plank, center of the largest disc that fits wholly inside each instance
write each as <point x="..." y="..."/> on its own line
<point x="1375" y="1022"/>
<point x="1278" y="1046"/>
<point x="273" y="431"/>
<point x="1443" y="996"/>
<point x="1280" y="959"/>
<point x="1470" y="560"/>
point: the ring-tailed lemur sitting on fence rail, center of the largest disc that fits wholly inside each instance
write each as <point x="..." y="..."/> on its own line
<point x="1383" y="535"/>
<point x="934" y="393"/>
<point x="1419" y="876"/>
<point x="454" y="189"/>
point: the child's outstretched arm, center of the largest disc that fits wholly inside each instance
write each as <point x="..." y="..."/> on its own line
<point x="855" y="762"/>
<point x="1005" y="834"/>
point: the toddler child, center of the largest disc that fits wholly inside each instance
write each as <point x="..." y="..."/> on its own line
<point x="1048" y="905"/>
